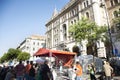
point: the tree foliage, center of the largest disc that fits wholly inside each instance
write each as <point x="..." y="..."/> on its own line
<point x="87" y="30"/>
<point x="90" y="31"/>
<point x="3" y="58"/>
<point x="82" y="29"/>
<point x="23" y="56"/>
<point x="14" y="54"/>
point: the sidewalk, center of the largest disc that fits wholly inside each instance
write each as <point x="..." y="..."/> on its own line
<point x="84" y="77"/>
<point x="116" y="78"/>
<point x="87" y="77"/>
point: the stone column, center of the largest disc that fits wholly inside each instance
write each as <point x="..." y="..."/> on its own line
<point x="83" y="47"/>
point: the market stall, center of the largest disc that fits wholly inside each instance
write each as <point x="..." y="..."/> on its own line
<point x="60" y="56"/>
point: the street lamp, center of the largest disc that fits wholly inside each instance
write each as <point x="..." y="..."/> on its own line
<point x="109" y="30"/>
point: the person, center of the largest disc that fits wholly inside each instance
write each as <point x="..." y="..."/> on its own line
<point x="32" y="72"/>
<point x="10" y="75"/>
<point x="38" y="75"/>
<point x="108" y="70"/>
<point x="27" y="68"/>
<point x="19" y="69"/>
<point x="45" y="70"/>
<point x="3" y="72"/>
<point x="78" y="71"/>
<point x="71" y="72"/>
<point x="91" y="71"/>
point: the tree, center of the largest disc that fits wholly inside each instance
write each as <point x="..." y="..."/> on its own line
<point x="3" y="58"/>
<point x="87" y="30"/>
<point x="13" y="53"/>
<point x="23" y="56"/>
<point x="82" y="29"/>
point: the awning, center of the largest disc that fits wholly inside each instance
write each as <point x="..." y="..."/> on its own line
<point x="46" y="52"/>
<point x="64" y="56"/>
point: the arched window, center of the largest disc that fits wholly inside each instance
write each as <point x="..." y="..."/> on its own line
<point x="87" y="15"/>
<point x="87" y="3"/>
<point x="111" y="2"/>
<point x="64" y="32"/>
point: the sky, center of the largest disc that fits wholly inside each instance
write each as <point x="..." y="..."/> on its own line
<point x="20" y="19"/>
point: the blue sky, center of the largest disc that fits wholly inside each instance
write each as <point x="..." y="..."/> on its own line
<point x="21" y="18"/>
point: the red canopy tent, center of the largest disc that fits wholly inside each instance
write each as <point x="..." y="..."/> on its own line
<point x="63" y="56"/>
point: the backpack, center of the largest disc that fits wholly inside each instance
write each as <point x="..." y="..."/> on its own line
<point x="32" y="72"/>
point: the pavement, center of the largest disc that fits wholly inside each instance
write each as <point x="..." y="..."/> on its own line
<point x="84" y="77"/>
<point x="116" y="78"/>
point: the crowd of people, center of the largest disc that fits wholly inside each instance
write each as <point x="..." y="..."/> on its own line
<point x="42" y="71"/>
<point x="29" y="71"/>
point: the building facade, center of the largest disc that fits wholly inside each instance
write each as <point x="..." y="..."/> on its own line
<point x="57" y="34"/>
<point x="113" y="6"/>
<point x="32" y="44"/>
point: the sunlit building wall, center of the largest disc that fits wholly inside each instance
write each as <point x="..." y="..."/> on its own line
<point x="57" y="34"/>
<point x="32" y="44"/>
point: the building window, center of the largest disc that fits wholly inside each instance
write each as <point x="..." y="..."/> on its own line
<point x="27" y="47"/>
<point x="71" y="22"/>
<point x="84" y="5"/>
<point x="42" y="44"/>
<point x="33" y="49"/>
<point x="116" y="2"/>
<point x="64" y="32"/>
<point x="111" y="2"/>
<point x="74" y="21"/>
<point x="87" y="15"/>
<point x="33" y="43"/>
<point x="87" y="2"/>
<point x="38" y="43"/>
<point x="72" y="12"/>
<point x="115" y="14"/>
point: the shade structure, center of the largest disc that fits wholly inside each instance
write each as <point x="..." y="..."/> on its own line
<point x="42" y="52"/>
<point x="63" y="56"/>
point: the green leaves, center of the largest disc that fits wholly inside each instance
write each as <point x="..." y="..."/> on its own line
<point x="23" y="56"/>
<point x="14" y="54"/>
<point x="87" y="30"/>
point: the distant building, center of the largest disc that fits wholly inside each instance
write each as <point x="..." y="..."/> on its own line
<point x="32" y="44"/>
<point x="57" y="34"/>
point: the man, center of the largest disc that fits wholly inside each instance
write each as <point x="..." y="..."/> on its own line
<point x="45" y="70"/>
<point x="108" y="70"/>
<point x="27" y="68"/>
<point x="19" y="69"/>
<point x="78" y="71"/>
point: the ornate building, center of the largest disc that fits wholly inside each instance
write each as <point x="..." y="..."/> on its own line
<point x="113" y="7"/>
<point x="57" y="33"/>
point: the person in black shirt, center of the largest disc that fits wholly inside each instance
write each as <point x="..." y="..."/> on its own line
<point x="45" y="70"/>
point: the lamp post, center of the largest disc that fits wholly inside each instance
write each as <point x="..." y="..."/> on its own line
<point x="109" y="30"/>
